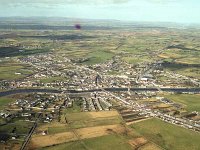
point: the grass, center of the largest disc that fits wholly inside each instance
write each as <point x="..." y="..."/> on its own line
<point x="8" y="71"/>
<point x="84" y="119"/>
<point x="53" y="127"/>
<point x="77" y="119"/>
<point x="59" y="129"/>
<point x="188" y="57"/>
<point x="12" y="144"/>
<point x="14" y="51"/>
<point x="167" y="135"/>
<point x="180" y="59"/>
<point x="99" y="57"/>
<point x="22" y="127"/>
<point x="191" y="72"/>
<point x="74" y="118"/>
<point x="181" y="56"/>
<point x="150" y="146"/>
<point x="2" y="121"/>
<point x="5" y="101"/>
<point x="107" y="142"/>
<point x="191" y="102"/>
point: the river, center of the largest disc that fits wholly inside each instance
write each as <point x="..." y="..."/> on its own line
<point x="17" y="91"/>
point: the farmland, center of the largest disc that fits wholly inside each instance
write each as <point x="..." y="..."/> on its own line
<point x="4" y="101"/>
<point x="166" y="135"/>
<point x="10" y="70"/>
<point x="88" y="130"/>
<point x="91" y="119"/>
<point x="190" y="102"/>
<point x="77" y="129"/>
<point x="104" y="142"/>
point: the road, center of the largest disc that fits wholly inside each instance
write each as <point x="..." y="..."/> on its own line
<point x="28" y="137"/>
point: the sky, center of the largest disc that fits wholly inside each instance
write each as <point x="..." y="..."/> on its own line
<point x="180" y="11"/>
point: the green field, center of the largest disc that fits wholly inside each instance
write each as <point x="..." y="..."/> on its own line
<point x="180" y="58"/>
<point x="99" y="57"/>
<point x="190" y="72"/>
<point x="59" y="129"/>
<point x="168" y="136"/>
<point x="8" y="71"/>
<point x="191" y="102"/>
<point x="108" y="142"/>
<point x="83" y="119"/>
<point x="5" y="101"/>
<point x="22" y="127"/>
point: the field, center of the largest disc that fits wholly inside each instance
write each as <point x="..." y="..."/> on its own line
<point x="183" y="61"/>
<point x="106" y="142"/>
<point x="86" y="119"/>
<point x="167" y="135"/>
<point x="78" y="120"/>
<point x="99" y="57"/>
<point x="14" y="51"/>
<point x="191" y="102"/>
<point x="22" y="127"/>
<point x="88" y="130"/>
<point x="13" y="145"/>
<point x="74" y="135"/>
<point x="74" y="126"/>
<point x="190" y="72"/>
<point x="5" y="101"/>
<point x="101" y="137"/>
<point x="10" y="70"/>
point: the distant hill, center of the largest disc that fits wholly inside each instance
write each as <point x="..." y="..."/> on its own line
<point x="58" y="23"/>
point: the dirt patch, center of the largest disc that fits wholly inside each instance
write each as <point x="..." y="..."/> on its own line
<point x="196" y="118"/>
<point x="99" y="131"/>
<point x="47" y="140"/>
<point x="162" y="106"/>
<point x="163" y="56"/>
<point x="132" y="122"/>
<point x="12" y="146"/>
<point x="150" y="146"/>
<point x="137" y="142"/>
<point x="103" y="114"/>
<point x="126" y="111"/>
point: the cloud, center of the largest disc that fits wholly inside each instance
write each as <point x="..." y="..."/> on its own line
<point x="63" y="1"/>
<point x="51" y="3"/>
<point x="164" y="1"/>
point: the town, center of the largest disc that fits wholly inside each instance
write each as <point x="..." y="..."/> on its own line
<point x="81" y="90"/>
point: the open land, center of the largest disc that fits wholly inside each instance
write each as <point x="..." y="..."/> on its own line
<point x="166" y="135"/>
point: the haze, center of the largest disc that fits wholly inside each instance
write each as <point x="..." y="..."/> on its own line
<point x="181" y="11"/>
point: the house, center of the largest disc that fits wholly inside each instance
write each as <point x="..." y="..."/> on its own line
<point x="44" y="132"/>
